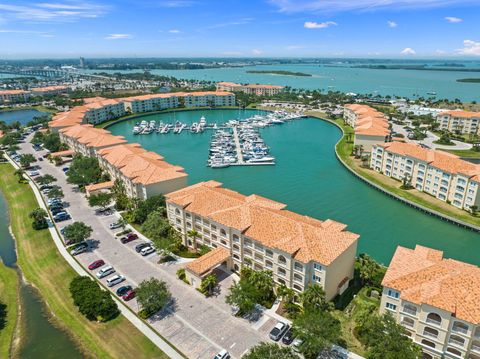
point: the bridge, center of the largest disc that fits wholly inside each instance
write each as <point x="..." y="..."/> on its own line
<point x="50" y="73"/>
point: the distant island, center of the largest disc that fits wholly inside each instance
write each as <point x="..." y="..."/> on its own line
<point x="278" y="72"/>
<point x="471" y="80"/>
<point x="449" y="64"/>
<point x="412" y="67"/>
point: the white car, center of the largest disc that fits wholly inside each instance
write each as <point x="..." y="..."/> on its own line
<point x="33" y="173"/>
<point x="222" y="354"/>
<point x="115" y="280"/>
<point x="147" y="250"/>
<point x="278" y="330"/>
<point x="105" y="271"/>
<point x="115" y="225"/>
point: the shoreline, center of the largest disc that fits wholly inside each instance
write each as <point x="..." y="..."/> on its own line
<point x="384" y="189"/>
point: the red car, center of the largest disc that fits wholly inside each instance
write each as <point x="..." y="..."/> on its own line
<point x="96" y="264"/>
<point x="129" y="295"/>
<point x="128" y="238"/>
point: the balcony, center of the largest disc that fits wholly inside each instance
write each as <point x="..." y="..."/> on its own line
<point x="410" y="311"/>
<point x="457" y="342"/>
<point x="434" y="321"/>
<point x="406" y="323"/>
<point x="459" y="330"/>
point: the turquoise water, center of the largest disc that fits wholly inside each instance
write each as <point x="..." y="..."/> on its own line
<point x="22" y="116"/>
<point x="311" y="181"/>
<point x="407" y="83"/>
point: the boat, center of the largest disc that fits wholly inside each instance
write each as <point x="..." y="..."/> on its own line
<point x="193" y="127"/>
<point x="136" y="130"/>
<point x="203" y="121"/>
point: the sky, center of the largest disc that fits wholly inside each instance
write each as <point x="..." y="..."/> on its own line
<point x="240" y="28"/>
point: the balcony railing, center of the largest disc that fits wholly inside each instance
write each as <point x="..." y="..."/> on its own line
<point x="456" y="342"/>
<point x="431" y="335"/>
<point x="433" y="321"/>
<point x="475" y="348"/>
<point x="407" y="324"/>
<point x="409" y="311"/>
<point x="460" y="330"/>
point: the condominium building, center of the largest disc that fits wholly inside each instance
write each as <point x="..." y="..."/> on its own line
<point x="441" y="174"/>
<point x="157" y="102"/>
<point x="371" y="126"/>
<point x="13" y="95"/>
<point x="459" y="121"/>
<point x="88" y="140"/>
<point x="49" y="90"/>
<point x="143" y="173"/>
<point x="103" y="110"/>
<point x="259" y="233"/>
<point x="251" y="89"/>
<point x="436" y="300"/>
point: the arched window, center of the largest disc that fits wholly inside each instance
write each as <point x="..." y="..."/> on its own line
<point x="236" y="268"/>
<point x="236" y="238"/>
<point x="460" y="327"/>
<point x="409" y="322"/>
<point x="297" y="277"/>
<point x="457" y="340"/>
<point x="223" y="233"/>
<point x="430" y="332"/>
<point x="454" y="351"/>
<point x="428" y="343"/>
<point x="297" y="287"/>
<point x="177" y="211"/>
<point x="281" y="272"/>
<point x="434" y="318"/>
<point x="268" y="264"/>
<point x="281" y="281"/>
<point x="282" y="260"/>
<point x="410" y="309"/>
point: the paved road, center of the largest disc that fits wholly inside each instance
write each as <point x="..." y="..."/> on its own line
<point x="197" y="326"/>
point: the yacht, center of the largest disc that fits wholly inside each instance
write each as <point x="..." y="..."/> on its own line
<point x="136" y="130"/>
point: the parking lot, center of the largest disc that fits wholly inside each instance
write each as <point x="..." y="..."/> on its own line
<point x="197" y="326"/>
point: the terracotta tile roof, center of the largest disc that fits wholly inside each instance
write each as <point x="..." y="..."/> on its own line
<point x="99" y="186"/>
<point x="176" y="94"/>
<point x="370" y="122"/>
<point x="439" y="159"/>
<point x="259" y="86"/>
<point x="140" y="165"/>
<point x="62" y="153"/>
<point x="307" y="239"/>
<point x="13" y="92"/>
<point x="231" y="84"/>
<point x="49" y="88"/>
<point x="92" y="137"/>
<point x="423" y="276"/>
<point x="460" y="113"/>
<point x="205" y="263"/>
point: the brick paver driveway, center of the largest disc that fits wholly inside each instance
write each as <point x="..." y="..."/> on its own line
<point x="197" y="326"/>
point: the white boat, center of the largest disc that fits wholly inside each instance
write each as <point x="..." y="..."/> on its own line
<point x="265" y="159"/>
<point x="193" y="127"/>
<point x="136" y="130"/>
<point x="203" y="121"/>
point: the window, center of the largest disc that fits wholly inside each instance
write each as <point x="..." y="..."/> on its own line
<point x="408" y="322"/>
<point x="177" y="211"/>
<point x="455" y="352"/>
<point x="269" y="253"/>
<point x="430" y="332"/>
<point x="297" y="287"/>
<point x="282" y="260"/>
<point x="223" y="233"/>
<point x="410" y="309"/>
<point x="236" y="238"/>
<point x="298" y="267"/>
<point x="317" y="266"/>
<point x="316" y="278"/>
<point x="434" y="318"/>
<point x="393" y="293"/>
<point x="281" y="271"/>
<point x="297" y="277"/>
<point x="457" y="340"/>
<point x="268" y="264"/>
<point x="390" y="306"/>
<point x="188" y="215"/>
<point x="428" y="343"/>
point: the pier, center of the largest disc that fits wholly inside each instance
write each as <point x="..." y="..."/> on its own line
<point x="237" y="146"/>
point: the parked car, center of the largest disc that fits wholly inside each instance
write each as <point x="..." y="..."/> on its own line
<point x="147" y="250"/>
<point x="123" y="290"/>
<point x="128" y="238"/>
<point x="45" y="186"/>
<point x="65" y="169"/>
<point x="105" y="271"/>
<point x="33" y="173"/>
<point x="288" y="337"/>
<point x="278" y="330"/>
<point x="96" y="264"/>
<point x="56" y="205"/>
<point x="113" y="281"/>
<point x="296" y="345"/>
<point x="222" y="354"/>
<point x="115" y="225"/>
<point x="57" y="210"/>
<point x="46" y="190"/>
<point x="140" y="246"/>
<point x="129" y="295"/>
<point x="81" y="248"/>
<point x="53" y="201"/>
<point x="62" y="216"/>
<point x="40" y="158"/>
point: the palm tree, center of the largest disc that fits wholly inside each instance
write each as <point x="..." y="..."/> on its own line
<point x="314" y="298"/>
<point x="19" y="173"/>
<point x="38" y="214"/>
<point x="209" y="283"/>
<point x="194" y="235"/>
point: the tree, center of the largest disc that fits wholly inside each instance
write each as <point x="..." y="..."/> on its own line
<point x="208" y="284"/>
<point x="26" y="160"/>
<point x="270" y="351"/>
<point x="51" y="141"/>
<point x="371" y="273"/>
<point x="152" y="295"/>
<point x="45" y="180"/>
<point x="19" y="173"/>
<point x="156" y="226"/>
<point x="39" y="216"/>
<point x="101" y="199"/>
<point x="384" y="338"/>
<point x="147" y="206"/>
<point x="92" y="301"/>
<point x="55" y="192"/>
<point x="318" y="329"/>
<point x="84" y="171"/>
<point x="194" y="235"/>
<point x="474" y="210"/>
<point x="313" y="298"/>
<point x="77" y="232"/>
<point x="120" y="196"/>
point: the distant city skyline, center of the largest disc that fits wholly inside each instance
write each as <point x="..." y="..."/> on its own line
<point x="264" y="28"/>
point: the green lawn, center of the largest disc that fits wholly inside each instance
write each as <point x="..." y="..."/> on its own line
<point x="465" y="153"/>
<point x="8" y="308"/>
<point x="344" y="149"/>
<point x="43" y="266"/>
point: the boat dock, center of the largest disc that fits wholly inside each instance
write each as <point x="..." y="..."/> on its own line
<point x="240" y="160"/>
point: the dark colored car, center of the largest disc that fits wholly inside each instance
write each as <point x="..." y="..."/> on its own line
<point x="124" y="290"/>
<point x="129" y="295"/>
<point x="62" y="216"/>
<point x="56" y="210"/>
<point x="132" y="236"/>
<point x="288" y="337"/>
<point x="96" y="264"/>
<point x="65" y="169"/>
<point x="140" y="246"/>
<point x="45" y="186"/>
<point x="128" y="238"/>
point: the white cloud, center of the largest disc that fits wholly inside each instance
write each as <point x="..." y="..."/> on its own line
<point x="118" y="36"/>
<point x="408" y="51"/>
<point x="453" y="19"/>
<point x="52" y="12"/>
<point x="293" y="6"/>
<point x="319" y="25"/>
<point x="257" y="52"/>
<point x="392" y="24"/>
<point x="294" y="47"/>
<point x="174" y="31"/>
<point x="470" y="48"/>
